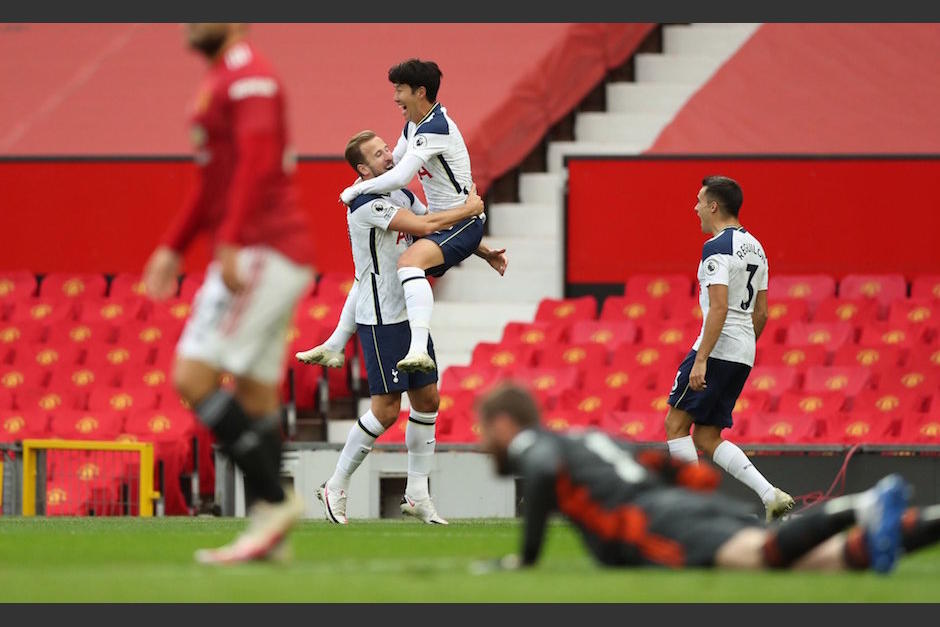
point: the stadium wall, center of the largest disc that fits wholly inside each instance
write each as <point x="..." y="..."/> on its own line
<point x="821" y="213"/>
<point x="107" y="214"/>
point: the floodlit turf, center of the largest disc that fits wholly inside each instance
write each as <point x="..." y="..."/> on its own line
<point x="89" y="559"/>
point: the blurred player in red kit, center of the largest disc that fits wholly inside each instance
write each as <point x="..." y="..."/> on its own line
<point x="245" y="200"/>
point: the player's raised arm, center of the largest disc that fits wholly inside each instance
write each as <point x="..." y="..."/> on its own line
<point x="396" y="178"/>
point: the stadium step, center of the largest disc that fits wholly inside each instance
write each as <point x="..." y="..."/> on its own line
<point x="706" y="38"/>
<point x="542" y="188"/>
<point x="525" y="219"/>
<point x="557" y="151"/>
<point x="631" y="128"/>
<point x="677" y="68"/>
<point x="647" y="97"/>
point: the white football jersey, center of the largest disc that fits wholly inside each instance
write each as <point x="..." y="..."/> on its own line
<point x="445" y="176"/>
<point x="376" y="250"/>
<point x="734" y="258"/>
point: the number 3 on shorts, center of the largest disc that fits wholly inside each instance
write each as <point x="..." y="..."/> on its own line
<point x="676" y="382"/>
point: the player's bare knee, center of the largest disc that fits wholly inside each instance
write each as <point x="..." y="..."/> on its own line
<point x="386" y="407"/>
<point x="256" y="397"/>
<point x="677" y="424"/>
<point x="744" y="550"/>
<point x="193" y="382"/>
<point x="426" y="399"/>
<point x="706" y="439"/>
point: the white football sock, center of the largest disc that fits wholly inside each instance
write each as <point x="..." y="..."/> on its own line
<point x="737" y="464"/>
<point x="346" y="327"/>
<point x="683" y="449"/>
<point x="358" y="444"/>
<point x="419" y="301"/>
<point x="419" y="437"/>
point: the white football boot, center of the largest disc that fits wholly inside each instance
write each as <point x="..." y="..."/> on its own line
<point x="423" y="510"/>
<point x="334" y="502"/>
<point x="323" y="356"/>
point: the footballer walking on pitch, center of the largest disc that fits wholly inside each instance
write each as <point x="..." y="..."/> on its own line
<point x="381" y="228"/>
<point x="732" y="275"/>
<point x="262" y="265"/>
<point x="647" y="509"/>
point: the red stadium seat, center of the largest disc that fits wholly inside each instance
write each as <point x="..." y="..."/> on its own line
<point x="849" y="380"/>
<point x="926" y="287"/>
<point x="87" y="425"/>
<point x="16" y="333"/>
<point x="680" y="335"/>
<point x="17" y="379"/>
<point x="856" y="312"/>
<point x="910" y="380"/>
<point x="463" y="431"/>
<point x="658" y="287"/>
<point x="59" y="285"/>
<point x="635" y="426"/>
<point x="915" y="312"/>
<point x="830" y="335"/>
<point x="925" y="358"/>
<point x="562" y="420"/>
<point x="6" y="399"/>
<point x="581" y="356"/>
<point x="749" y="404"/>
<point x="332" y="287"/>
<point x="456" y="402"/>
<point x="47" y="356"/>
<point x="782" y="428"/>
<point x="920" y="429"/>
<point x="770" y="380"/>
<point x="127" y="286"/>
<point x="17" y="285"/>
<point x="535" y="334"/>
<point x="640" y="358"/>
<point x="66" y="497"/>
<point x="323" y="312"/>
<point x="76" y="382"/>
<point x="17" y="424"/>
<point x="882" y="288"/>
<point x="861" y="428"/>
<point x="886" y="334"/>
<point x="591" y="405"/>
<point x="43" y="312"/>
<point x="622" y="308"/>
<point x="467" y="378"/>
<point x="170" y="312"/>
<point x="547" y="384"/>
<point x="605" y="333"/>
<point x="810" y="287"/>
<point x="124" y="401"/>
<point x="505" y="357"/>
<point x="190" y="285"/>
<point x="111" y="362"/>
<point x="683" y="311"/>
<point x="782" y="313"/>
<point x="84" y="334"/>
<point x="893" y="402"/>
<point x="798" y="357"/>
<point x="566" y="309"/>
<point x="614" y="379"/>
<point x="147" y="376"/>
<point x="48" y="401"/>
<point x="113" y="311"/>
<point x="819" y="404"/>
<point x="649" y="401"/>
<point x="877" y="358"/>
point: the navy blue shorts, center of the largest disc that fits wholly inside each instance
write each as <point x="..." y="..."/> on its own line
<point x="383" y="346"/>
<point x="724" y="381"/>
<point x="457" y="243"/>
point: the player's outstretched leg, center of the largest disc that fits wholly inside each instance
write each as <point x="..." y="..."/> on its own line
<point x="331" y="353"/>
<point x="876" y="542"/>
<point x="332" y="493"/>
<point x="420" y="439"/>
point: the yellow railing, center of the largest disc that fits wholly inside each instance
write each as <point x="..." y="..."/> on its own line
<point x="147" y="494"/>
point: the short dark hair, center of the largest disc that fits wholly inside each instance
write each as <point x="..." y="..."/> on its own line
<point x="726" y="191"/>
<point x="417" y="73"/>
<point x="353" y="152"/>
<point x="512" y="400"/>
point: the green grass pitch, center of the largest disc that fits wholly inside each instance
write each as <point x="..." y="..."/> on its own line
<point x="89" y="559"/>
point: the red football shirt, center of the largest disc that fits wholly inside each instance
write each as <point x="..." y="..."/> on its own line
<point x="245" y="192"/>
